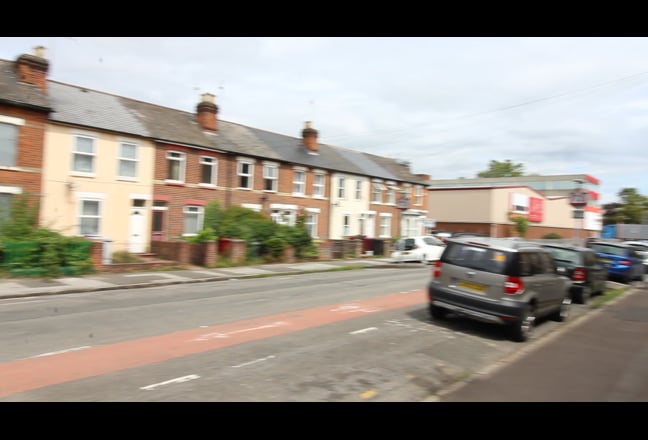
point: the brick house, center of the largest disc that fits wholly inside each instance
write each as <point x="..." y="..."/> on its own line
<point x="123" y="169"/>
<point x="24" y="111"/>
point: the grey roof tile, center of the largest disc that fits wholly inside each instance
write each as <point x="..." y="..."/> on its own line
<point x="89" y="108"/>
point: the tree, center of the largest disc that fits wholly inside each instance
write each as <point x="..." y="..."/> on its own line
<point x="521" y="225"/>
<point x="633" y="206"/>
<point x="503" y="169"/>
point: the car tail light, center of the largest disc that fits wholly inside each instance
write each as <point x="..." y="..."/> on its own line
<point x="436" y="272"/>
<point x="578" y="274"/>
<point x="625" y="263"/>
<point x="513" y="285"/>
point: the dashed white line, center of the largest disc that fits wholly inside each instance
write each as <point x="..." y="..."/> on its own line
<point x="215" y="335"/>
<point x="364" y="330"/>
<point x="245" y="364"/>
<point x="167" y="382"/>
<point x="52" y="353"/>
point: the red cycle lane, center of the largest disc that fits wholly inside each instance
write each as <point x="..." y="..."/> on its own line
<point x="32" y="373"/>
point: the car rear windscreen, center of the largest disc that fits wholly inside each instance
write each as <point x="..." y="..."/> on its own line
<point x="478" y="258"/>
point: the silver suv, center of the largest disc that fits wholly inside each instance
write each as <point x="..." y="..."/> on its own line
<point x="501" y="281"/>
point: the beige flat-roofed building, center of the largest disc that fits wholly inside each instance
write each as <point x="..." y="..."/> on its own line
<point x="491" y="210"/>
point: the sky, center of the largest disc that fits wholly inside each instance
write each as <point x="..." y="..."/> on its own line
<point x="448" y="105"/>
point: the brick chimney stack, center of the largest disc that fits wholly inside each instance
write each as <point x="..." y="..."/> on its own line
<point x="206" y="112"/>
<point x="309" y="138"/>
<point x="32" y="69"/>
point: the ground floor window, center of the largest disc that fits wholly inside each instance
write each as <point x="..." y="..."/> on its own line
<point x="90" y="217"/>
<point x="193" y="219"/>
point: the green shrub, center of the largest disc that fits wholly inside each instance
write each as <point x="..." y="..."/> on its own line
<point x="274" y="247"/>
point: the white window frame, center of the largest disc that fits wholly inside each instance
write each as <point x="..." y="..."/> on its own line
<point x="212" y="163"/>
<point x="97" y="216"/>
<point x="358" y="190"/>
<point x="385" y="225"/>
<point x="284" y="216"/>
<point x="249" y="175"/>
<point x="123" y="160"/>
<point x="299" y="182"/>
<point x="340" y="190"/>
<point x="10" y="144"/>
<point x="89" y="155"/>
<point x="418" y="195"/>
<point x="197" y="211"/>
<point x="319" y="185"/>
<point x="391" y="193"/>
<point x="179" y="158"/>
<point x="310" y="223"/>
<point x="376" y="193"/>
<point x="270" y="176"/>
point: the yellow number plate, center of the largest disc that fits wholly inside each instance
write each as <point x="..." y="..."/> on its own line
<point x="472" y="286"/>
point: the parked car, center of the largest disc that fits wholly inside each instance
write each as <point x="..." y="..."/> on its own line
<point x="642" y="249"/>
<point x="444" y="236"/>
<point x="497" y="280"/>
<point x="423" y="248"/>
<point x="622" y="261"/>
<point x="583" y="267"/>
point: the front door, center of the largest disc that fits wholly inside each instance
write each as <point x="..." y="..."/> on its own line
<point x="137" y="231"/>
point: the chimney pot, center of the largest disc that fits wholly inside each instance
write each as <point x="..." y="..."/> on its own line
<point x="39" y="51"/>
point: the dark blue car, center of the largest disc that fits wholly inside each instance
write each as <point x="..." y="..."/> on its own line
<point x="622" y="261"/>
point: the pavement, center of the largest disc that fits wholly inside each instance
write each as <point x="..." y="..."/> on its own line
<point x="23" y="287"/>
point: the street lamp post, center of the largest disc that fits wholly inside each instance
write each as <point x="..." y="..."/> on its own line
<point x="578" y="200"/>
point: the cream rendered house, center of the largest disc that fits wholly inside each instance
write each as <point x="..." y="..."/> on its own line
<point x="97" y="170"/>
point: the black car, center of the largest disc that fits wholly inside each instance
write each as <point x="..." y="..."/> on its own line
<point x="582" y="266"/>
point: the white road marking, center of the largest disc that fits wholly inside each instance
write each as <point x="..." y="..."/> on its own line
<point x="52" y="353"/>
<point x="208" y="336"/>
<point x="364" y="330"/>
<point x="167" y="382"/>
<point x="354" y="308"/>
<point x="253" y="362"/>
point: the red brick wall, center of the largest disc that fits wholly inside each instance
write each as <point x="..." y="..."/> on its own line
<point x="227" y="178"/>
<point x="29" y="157"/>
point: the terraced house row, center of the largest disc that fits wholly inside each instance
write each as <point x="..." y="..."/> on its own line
<point x="132" y="172"/>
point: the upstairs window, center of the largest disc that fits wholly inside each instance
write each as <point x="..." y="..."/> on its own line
<point x="175" y="166"/>
<point x="83" y="155"/>
<point x="318" y="185"/>
<point x="244" y="173"/>
<point x="207" y="170"/>
<point x="340" y="187"/>
<point x="270" y="176"/>
<point x="299" y="182"/>
<point x="127" y="166"/>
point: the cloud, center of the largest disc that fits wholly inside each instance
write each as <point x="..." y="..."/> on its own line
<point x="449" y="105"/>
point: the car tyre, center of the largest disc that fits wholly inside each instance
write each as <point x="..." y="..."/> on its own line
<point x="583" y="295"/>
<point x="563" y="312"/>
<point x="437" y="312"/>
<point x="522" y="330"/>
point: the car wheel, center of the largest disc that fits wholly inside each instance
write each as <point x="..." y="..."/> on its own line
<point x="522" y="330"/>
<point x="583" y="295"/>
<point x="563" y="312"/>
<point x="437" y="312"/>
